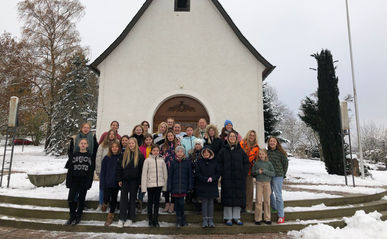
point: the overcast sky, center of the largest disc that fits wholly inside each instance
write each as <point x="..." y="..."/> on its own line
<point x="285" y="32"/>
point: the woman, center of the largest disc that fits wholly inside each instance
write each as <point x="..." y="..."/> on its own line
<point x="228" y="127"/>
<point x="250" y="146"/>
<point x="233" y="168"/>
<point x="211" y="138"/>
<point x="92" y="143"/>
<point x="278" y="157"/>
<point x="114" y="125"/>
<point x="159" y="137"/>
<point x="145" y="126"/>
<point x="129" y="179"/>
<point x="138" y="133"/>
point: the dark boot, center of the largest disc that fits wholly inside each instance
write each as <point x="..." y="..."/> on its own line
<point x="150" y="220"/>
<point x="178" y="222"/>
<point x="77" y="219"/>
<point x="71" y="219"/>
<point x="156" y="219"/>
<point x="183" y="222"/>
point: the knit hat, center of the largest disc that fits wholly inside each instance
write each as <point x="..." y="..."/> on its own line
<point x="199" y="141"/>
<point x="227" y="122"/>
<point x="179" y="148"/>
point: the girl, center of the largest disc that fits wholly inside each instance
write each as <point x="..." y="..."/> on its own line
<point x="188" y="142"/>
<point x="250" y="146"/>
<point x="159" y="137"/>
<point x="207" y="176"/>
<point x="154" y="180"/>
<point x="263" y="171"/>
<point x="145" y="126"/>
<point x="124" y="143"/>
<point x="278" y="157"/>
<point x="129" y="178"/>
<point x="180" y="183"/>
<point x="168" y="152"/>
<point x="228" y="127"/>
<point x="108" y="180"/>
<point x="138" y="133"/>
<point x="114" y="125"/>
<point x="211" y="138"/>
<point x="145" y="148"/>
<point x="101" y="153"/>
<point x="79" y="179"/>
<point x="233" y="167"/>
<point x="195" y="158"/>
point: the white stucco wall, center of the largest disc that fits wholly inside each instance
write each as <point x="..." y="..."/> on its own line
<point x="192" y="53"/>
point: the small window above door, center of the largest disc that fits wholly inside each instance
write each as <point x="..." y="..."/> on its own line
<point x="182" y="5"/>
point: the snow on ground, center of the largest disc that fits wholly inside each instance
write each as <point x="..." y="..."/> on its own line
<point x="34" y="160"/>
<point x="314" y="208"/>
<point x="361" y="190"/>
<point x="313" y="171"/>
<point x="361" y="225"/>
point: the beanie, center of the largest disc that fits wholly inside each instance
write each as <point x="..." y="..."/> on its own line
<point x="227" y="122"/>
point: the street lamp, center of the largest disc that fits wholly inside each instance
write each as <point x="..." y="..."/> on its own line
<point x="355" y="94"/>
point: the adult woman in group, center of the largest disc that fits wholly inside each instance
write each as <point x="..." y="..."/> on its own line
<point x="250" y="145"/>
<point x="114" y="125"/>
<point x="84" y="132"/>
<point x="159" y="137"/>
<point x="211" y="138"/>
<point x="233" y="168"/>
<point x="278" y="157"/>
<point x="145" y="126"/>
<point x="228" y="127"/>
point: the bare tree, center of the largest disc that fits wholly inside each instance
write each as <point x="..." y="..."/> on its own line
<point x="49" y="30"/>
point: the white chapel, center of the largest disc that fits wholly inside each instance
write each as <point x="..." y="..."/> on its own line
<point x="185" y="59"/>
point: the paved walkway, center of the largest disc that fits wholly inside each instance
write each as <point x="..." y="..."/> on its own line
<point x="13" y="233"/>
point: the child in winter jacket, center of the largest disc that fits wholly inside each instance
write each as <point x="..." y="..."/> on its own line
<point x="108" y="180"/>
<point x="154" y="180"/>
<point x="180" y="183"/>
<point x="194" y="158"/>
<point x="207" y="176"/>
<point x="263" y="171"/>
<point x="129" y="178"/>
<point x="79" y="179"/>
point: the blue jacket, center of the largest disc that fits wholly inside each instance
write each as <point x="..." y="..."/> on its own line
<point x="108" y="171"/>
<point x="188" y="143"/>
<point x="180" y="177"/>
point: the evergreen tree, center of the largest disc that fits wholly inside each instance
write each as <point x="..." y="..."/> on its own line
<point x="78" y="103"/>
<point x="329" y="126"/>
<point x="310" y="114"/>
<point x="271" y="113"/>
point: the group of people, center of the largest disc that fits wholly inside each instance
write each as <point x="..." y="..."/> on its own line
<point x="179" y="165"/>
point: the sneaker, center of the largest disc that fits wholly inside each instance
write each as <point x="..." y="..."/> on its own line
<point x="280" y="220"/>
<point x="267" y="222"/>
<point x="229" y="222"/>
<point x="238" y="222"/>
<point x="257" y="223"/>
<point x="128" y="223"/>
<point x="120" y="223"/>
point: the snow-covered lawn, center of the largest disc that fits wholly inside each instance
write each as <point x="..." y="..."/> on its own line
<point x="361" y="225"/>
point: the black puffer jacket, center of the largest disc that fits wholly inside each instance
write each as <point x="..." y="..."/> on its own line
<point x="180" y="177"/>
<point x="233" y="167"/>
<point x="129" y="172"/>
<point x="216" y="144"/>
<point x="207" y="168"/>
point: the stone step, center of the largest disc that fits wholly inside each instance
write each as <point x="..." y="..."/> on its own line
<point x="356" y="199"/>
<point x="165" y="229"/>
<point x="192" y="216"/>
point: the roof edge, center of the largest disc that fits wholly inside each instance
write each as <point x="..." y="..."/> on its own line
<point x="122" y="36"/>
<point x="257" y="55"/>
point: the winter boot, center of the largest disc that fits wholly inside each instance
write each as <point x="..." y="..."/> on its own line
<point x="205" y="222"/>
<point x="183" y="222"/>
<point x="139" y="206"/>
<point x="109" y="219"/>
<point x="77" y="219"/>
<point x="71" y="219"/>
<point x="156" y="219"/>
<point x="211" y="222"/>
<point x="104" y="207"/>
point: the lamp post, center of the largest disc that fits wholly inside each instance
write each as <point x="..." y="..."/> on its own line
<point x="355" y="94"/>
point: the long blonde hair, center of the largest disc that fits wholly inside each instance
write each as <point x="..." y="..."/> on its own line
<point x="265" y="151"/>
<point x="166" y="128"/>
<point x="128" y="152"/>
<point x="247" y="141"/>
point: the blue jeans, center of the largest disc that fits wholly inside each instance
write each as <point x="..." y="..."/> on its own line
<point x="276" y="201"/>
<point x="100" y="196"/>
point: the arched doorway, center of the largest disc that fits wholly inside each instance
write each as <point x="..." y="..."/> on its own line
<point x="185" y="110"/>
